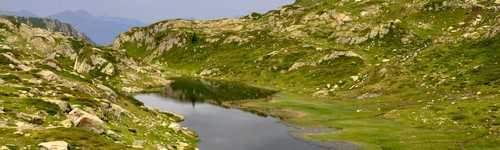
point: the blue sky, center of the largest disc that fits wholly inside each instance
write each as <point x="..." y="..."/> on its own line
<point x="147" y="10"/>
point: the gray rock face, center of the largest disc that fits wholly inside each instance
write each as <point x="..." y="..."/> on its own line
<point x="54" y="145"/>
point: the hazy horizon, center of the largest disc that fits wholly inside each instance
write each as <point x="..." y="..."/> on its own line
<point x="147" y="11"/>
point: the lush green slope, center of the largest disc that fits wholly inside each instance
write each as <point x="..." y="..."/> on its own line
<point x="404" y="74"/>
<point x="56" y="88"/>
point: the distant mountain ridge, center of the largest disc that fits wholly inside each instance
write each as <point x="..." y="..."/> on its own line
<point x="101" y="29"/>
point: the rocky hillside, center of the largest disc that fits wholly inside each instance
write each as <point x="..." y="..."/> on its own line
<point x="430" y="64"/>
<point x="347" y="44"/>
<point x="52" y="25"/>
<point x="56" y="92"/>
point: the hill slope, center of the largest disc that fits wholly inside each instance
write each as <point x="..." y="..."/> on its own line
<point x="427" y="68"/>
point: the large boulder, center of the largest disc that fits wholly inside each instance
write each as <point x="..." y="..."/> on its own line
<point x="86" y="120"/>
<point x="54" y="145"/>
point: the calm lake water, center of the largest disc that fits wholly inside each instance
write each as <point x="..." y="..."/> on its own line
<point x="221" y="128"/>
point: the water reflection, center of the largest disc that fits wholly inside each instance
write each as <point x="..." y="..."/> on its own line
<point x="200" y="90"/>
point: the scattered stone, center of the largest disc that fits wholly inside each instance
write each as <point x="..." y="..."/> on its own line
<point x="86" y="120"/>
<point x="47" y="75"/>
<point x="30" y="118"/>
<point x="138" y="144"/>
<point x="2" y="81"/>
<point x="81" y="66"/>
<point x="54" y="145"/>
